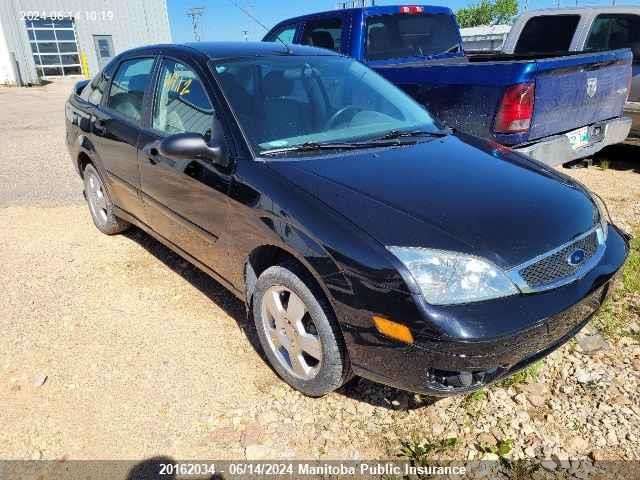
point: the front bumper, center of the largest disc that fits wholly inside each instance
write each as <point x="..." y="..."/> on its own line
<point x="479" y="355"/>
<point x="557" y="150"/>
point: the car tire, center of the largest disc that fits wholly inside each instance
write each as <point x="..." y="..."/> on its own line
<point x="100" y="205"/>
<point x="293" y="339"/>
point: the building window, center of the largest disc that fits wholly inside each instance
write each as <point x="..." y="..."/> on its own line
<point x="54" y="46"/>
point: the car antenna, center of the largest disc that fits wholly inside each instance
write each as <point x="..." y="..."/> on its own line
<point x="252" y="17"/>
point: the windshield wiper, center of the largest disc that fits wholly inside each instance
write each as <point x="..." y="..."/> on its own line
<point x="316" y="146"/>
<point x="396" y="134"/>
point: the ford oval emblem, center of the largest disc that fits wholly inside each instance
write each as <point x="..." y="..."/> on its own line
<point x="576" y="257"/>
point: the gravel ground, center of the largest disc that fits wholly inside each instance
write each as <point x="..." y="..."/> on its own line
<point x="115" y="348"/>
<point x="35" y="167"/>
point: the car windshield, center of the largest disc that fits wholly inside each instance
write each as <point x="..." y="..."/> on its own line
<point x="287" y="101"/>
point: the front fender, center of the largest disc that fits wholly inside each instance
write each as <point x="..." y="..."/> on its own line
<point x="309" y="252"/>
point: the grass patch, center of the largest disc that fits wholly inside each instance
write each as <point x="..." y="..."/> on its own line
<point x="631" y="274"/>
<point x="532" y="372"/>
<point x="502" y="447"/>
<point x="623" y="307"/>
<point x="418" y="452"/>
<point x="474" y="398"/>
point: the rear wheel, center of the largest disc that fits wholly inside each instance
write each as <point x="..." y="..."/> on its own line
<point x="100" y="205"/>
<point x="298" y="333"/>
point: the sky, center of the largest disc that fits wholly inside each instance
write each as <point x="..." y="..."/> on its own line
<point x="223" y="21"/>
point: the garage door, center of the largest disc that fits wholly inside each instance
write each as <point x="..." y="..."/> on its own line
<point x="54" y="47"/>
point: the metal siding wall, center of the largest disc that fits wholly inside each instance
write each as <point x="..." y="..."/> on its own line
<point x="7" y="74"/>
<point x="17" y="40"/>
<point x="135" y="23"/>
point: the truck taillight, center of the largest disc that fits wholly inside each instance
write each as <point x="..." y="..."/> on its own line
<point x="411" y="9"/>
<point x="516" y="109"/>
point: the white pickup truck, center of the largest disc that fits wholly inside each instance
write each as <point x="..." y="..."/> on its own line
<point x="582" y="29"/>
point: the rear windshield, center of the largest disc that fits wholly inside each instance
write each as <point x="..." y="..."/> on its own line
<point x="547" y="34"/>
<point x="395" y="36"/>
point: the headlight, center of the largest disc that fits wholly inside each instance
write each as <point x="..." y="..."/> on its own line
<point x="603" y="214"/>
<point x="447" y="278"/>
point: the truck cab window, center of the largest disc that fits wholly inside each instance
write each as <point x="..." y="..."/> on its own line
<point x="324" y="33"/>
<point x="395" y="36"/>
<point x="615" y="30"/>
<point x="284" y="34"/>
<point x="547" y="34"/>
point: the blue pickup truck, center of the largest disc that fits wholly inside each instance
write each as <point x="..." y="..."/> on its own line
<point x="555" y="107"/>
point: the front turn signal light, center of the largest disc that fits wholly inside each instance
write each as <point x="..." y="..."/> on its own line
<point x="392" y="329"/>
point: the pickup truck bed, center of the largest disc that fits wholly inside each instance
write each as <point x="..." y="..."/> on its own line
<point x="465" y="92"/>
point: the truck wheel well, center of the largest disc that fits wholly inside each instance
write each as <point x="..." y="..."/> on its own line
<point x="83" y="161"/>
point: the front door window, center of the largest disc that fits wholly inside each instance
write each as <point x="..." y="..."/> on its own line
<point x="181" y="104"/>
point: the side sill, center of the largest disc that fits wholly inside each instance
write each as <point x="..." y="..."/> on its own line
<point x="212" y="273"/>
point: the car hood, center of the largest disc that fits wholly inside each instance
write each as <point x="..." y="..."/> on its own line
<point x="456" y="193"/>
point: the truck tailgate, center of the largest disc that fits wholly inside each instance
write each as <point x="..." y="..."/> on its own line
<point x="572" y="92"/>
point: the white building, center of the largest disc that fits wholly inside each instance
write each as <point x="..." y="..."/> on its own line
<point x="51" y="38"/>
<point x="484" y="37"/>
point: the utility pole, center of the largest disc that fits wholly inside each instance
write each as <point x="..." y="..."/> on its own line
<point x="195" y="13"/>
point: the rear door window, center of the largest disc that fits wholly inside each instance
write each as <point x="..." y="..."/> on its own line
<point x="397" y="36"/>
<point x="615" y="30"/>
<point x="547" y="34"/>
<point x="324" y="33"/>
<point x="126" y="95"/>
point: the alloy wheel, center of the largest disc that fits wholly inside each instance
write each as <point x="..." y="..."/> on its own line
<point x="97" y="198"/>
<point x="291" y="332"/>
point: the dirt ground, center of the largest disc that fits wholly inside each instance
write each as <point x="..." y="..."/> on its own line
<point x="115" y="348"/>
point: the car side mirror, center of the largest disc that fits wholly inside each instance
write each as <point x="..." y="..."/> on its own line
<point x="188" y="145"/>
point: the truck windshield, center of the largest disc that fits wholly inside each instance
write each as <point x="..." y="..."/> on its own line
<point x="396" y="36"/>
<point x="287" y="101"/>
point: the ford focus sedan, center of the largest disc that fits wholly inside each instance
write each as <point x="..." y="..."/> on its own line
<point x="365" y="238"/>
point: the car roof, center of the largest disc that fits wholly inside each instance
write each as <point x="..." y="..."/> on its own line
<point x="221" y="50"/>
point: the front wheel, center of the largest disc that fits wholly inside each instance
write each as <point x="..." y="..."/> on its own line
<point x="298" y="333"/>
<point x="100" y="205"/>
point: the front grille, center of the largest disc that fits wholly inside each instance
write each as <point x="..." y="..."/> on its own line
<point x="556" y="267"/>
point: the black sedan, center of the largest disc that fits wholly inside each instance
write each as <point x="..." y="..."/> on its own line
<point x="364" y="237"/>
